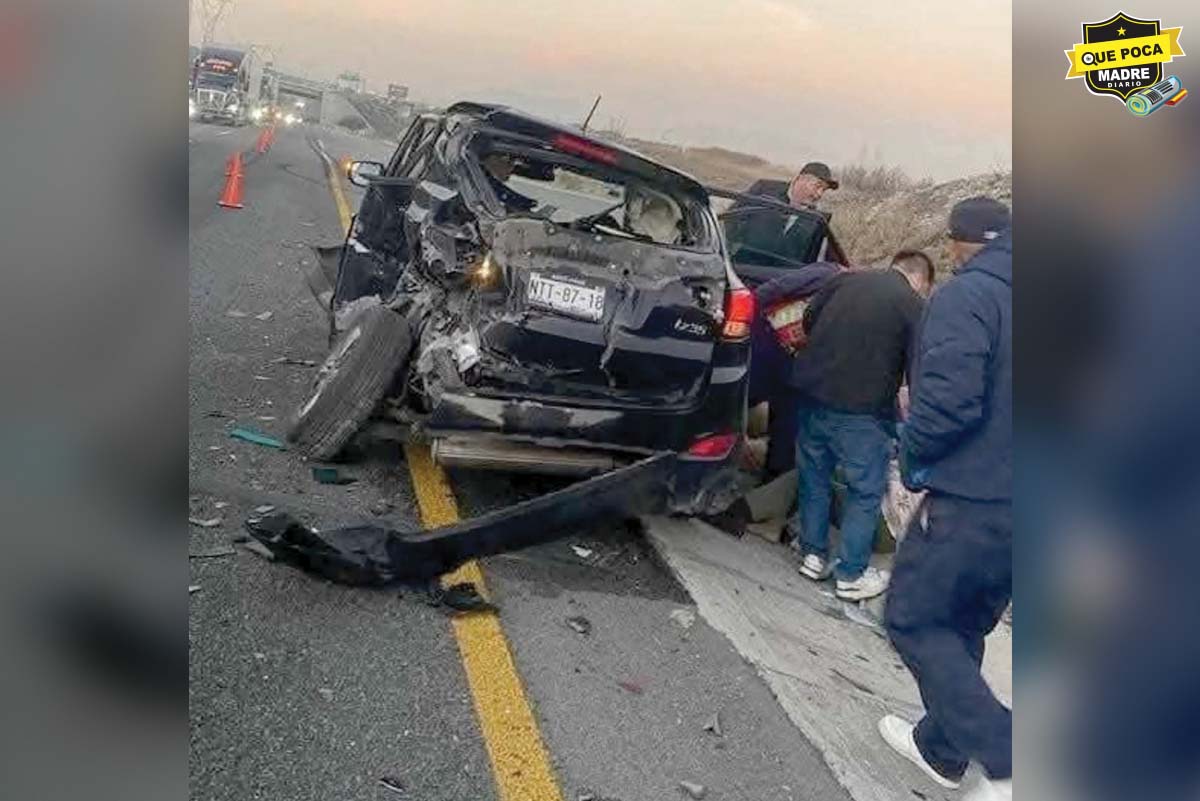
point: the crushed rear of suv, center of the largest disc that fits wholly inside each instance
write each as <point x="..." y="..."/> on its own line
<point x="530" y="298"/>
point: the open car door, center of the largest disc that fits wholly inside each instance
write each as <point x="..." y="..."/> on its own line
<point x="767" y="238"/>
<point x="365" y="268"/>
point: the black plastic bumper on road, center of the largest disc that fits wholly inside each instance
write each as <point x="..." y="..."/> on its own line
<point x="372" y="554"/>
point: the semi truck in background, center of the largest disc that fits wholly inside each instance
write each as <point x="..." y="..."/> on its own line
<point x="228" y="85"/>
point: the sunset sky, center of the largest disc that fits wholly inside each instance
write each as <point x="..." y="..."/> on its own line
<point x="923" y="86"/>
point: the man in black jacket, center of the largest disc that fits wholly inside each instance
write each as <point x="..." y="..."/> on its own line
<point x="953" y="572"/>
<point x="814" y="180"/>
<point x="767" y="236"/>
<point x="860" y="327"/>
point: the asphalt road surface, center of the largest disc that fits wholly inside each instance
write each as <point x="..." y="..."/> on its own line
<point x="302" y="689"/>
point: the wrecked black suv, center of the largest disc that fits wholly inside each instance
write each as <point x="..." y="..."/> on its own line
<point x="529" y="298"/>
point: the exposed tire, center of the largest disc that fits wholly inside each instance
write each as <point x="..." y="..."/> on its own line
<point x="351" y="383"/>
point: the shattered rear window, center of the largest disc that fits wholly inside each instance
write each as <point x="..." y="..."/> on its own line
<point x="593" y="196"/>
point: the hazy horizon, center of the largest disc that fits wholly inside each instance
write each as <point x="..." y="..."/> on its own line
<point x="927" y="88"/>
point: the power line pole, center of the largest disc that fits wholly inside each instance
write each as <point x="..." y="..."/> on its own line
<point x="210" y="12"/>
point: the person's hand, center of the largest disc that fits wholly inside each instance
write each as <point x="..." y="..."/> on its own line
<point x="911" y="476"/>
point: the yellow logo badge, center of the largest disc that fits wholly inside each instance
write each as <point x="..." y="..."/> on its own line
<point x="1123" y="57"/>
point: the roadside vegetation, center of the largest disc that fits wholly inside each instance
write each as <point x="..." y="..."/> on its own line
<point x="876" y="211"/>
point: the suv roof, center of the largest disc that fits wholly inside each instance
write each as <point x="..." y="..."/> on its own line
<point x="516" y="122"/>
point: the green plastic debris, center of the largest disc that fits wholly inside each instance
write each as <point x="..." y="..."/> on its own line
<point x="250" y="435"/>
<point x="330" y="475"/>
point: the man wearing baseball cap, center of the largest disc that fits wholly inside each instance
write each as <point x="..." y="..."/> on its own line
<point x="813" y="180"/>
<point x="952" y="577"/>
<point x="769" y="232"/>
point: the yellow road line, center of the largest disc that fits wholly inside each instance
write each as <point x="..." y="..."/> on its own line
<point x="339" y="195"/>
<point x="520" y="763"/>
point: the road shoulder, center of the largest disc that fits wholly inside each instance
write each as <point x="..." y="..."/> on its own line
<point x="833" y="677"/>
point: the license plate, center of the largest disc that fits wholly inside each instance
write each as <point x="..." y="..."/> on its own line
<point x="561" y="296"/>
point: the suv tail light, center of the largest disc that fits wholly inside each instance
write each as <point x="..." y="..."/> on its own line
<point x="713" y="446"/>
<point x="739" y="314"/>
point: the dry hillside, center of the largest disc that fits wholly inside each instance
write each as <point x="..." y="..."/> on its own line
<point x="876" y="211"/>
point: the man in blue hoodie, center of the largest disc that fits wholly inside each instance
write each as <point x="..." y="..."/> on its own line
<point x="953" y="572"/>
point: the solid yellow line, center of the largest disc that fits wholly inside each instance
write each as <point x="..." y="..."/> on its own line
<point x="339" y="195"/>
<point x="520" y="762"/>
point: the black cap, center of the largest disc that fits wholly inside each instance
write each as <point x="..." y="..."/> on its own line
<point x="819" y="169"/>
<point x="978" y="219"/>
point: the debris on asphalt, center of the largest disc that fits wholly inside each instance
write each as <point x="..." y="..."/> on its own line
<point x="330" y="475"/>
<point x="381" y="507"/>
<point x="262" y="378"/>
<point x="257" y="437"/>
<point x="215" y="414"/>
<point x="714" y="724"/>
<point x="213" y="553"/>
<point x="631" y="687"/>
<point x="296" y="362"/>
<point x="684" y="618"/>
<point x="193" y="588"/>
<point x="391" y="783"/>
<point x="211" y="522"/>
<point x="306" y="224"/>
<point x="220" y="504"/>
<point x="694" y="790"/>
<point x="266" y="418"/>
<point x="235" y="313"/>
<point x="325" y="693"/>
<point x="264" y="316"/>
<point x="265" y="509"/>
<point x="580" y="624"/>
<point x="461" y="597"/>
<point x="257" y="548"/>
<point x="581" y="552"/>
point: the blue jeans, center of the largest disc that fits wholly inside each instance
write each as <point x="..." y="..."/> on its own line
<point x="860" y="444"/>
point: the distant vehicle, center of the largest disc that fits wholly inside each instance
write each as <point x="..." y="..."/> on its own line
<point x="227" y="85"/>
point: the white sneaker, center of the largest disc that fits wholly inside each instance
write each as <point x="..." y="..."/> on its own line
<point x="816" y="567"/>
<point x="898" y="733"/>
<point x="990" y="790"/>
<point x="872" y="582"/>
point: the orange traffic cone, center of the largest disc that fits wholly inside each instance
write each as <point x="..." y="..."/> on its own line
<point x="231" y="198"/>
